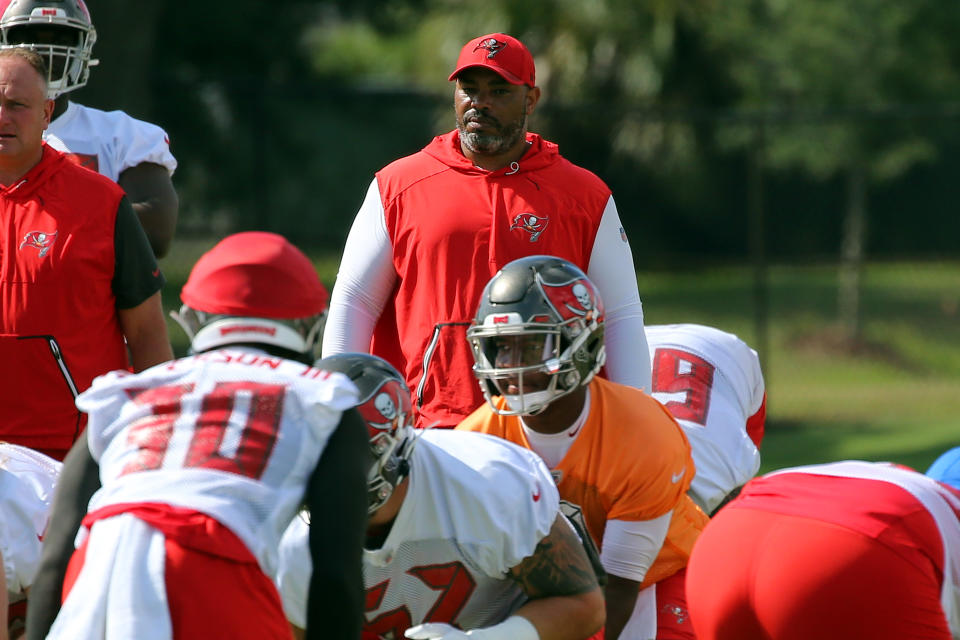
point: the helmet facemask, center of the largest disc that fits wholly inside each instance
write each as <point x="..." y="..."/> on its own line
<point x="390" y="453"/>
<point x="208" y="331"/>
<point x="532" y="364"/>
<point x="65" y="44"/>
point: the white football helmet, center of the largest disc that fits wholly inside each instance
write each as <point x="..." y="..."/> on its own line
<point x="539" y="317"/>
<point x="60" y="31"/>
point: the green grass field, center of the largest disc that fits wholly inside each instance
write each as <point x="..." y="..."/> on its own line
<point x="895" y="397"/>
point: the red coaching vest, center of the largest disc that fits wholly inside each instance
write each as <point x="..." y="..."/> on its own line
<point x="452" y="227"/>
<point x="58" y="320"/>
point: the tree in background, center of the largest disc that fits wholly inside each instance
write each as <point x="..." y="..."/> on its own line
<point x="836" y="87"/>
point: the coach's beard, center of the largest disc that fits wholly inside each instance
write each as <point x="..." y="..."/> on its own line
<point x="489" y="144"/>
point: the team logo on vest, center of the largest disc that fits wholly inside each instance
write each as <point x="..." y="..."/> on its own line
<point x="531" y="223"/>
<point x="492" y="45"/>
<point x="39" y="240"/>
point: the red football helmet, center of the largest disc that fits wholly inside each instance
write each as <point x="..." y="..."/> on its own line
<point x="385" y="407"/>
<point x="60" y="31"/>
<point x="253" y="287"/>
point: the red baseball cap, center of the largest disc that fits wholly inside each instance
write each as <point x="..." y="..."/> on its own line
<point x="500" y="53"/>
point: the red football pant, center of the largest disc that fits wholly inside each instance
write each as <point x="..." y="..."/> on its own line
<point x="212" y="596"/>
<point x="673" y="618"/>
<point x="756" y="575"/>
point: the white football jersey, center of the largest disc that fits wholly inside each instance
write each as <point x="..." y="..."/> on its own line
<point x="475" y="507"/>
<point x="27" y="481"/>
<point x="108" y="142"/>
<point x="234" y="434"/>
<point x="711" y="382"/>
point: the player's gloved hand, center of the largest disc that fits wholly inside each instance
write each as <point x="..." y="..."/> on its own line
<point x="435" y="631"/>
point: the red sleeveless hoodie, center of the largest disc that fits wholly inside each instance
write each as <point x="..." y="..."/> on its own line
<point x="58" y="321"/>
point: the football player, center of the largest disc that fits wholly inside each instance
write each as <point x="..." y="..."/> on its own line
<point x="193" y="469"/>
<point x="132" y="153"/>
<point x="464" y="540"/>
<point x="710" y="381"/>
<point x="27" y="481"/>
<point x="835" y="551"/>
<point x="621" y="462"/>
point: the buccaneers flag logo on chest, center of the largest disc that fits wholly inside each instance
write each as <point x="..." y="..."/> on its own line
<point x="531" y="223"/>
<point x="39" y="240"/>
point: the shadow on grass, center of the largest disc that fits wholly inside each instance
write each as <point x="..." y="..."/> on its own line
<point x="830" y="339"/>
<point x="788" y="443"/>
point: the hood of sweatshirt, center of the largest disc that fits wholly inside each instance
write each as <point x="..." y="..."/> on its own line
<point x="446" y="148"/>
<point x="28" y="183"/>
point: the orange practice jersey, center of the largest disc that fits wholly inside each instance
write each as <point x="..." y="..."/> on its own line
<point x="630" y="461"/>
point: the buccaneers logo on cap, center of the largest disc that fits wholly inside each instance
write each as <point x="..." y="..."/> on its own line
<point x="492" y="45"/>
<point x="531" y="223"/>
<point x="39" y="240"/>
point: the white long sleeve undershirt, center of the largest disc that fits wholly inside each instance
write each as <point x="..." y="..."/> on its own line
<point x="629" y="548"/>
<point x="364" y="281"/>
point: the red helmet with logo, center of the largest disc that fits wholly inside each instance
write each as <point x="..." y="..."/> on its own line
<point x="59" y="30"/>
<point x="253" y="287"/>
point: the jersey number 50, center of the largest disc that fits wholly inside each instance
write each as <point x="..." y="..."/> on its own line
<point x="232" y="428"/>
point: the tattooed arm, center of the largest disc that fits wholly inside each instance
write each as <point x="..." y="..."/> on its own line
<point x="565" y="599"/>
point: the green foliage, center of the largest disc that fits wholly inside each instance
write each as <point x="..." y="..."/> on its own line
<point x="848" y="62"/>
<point x="781" y="60"/>
<point x="616" y="51"/>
